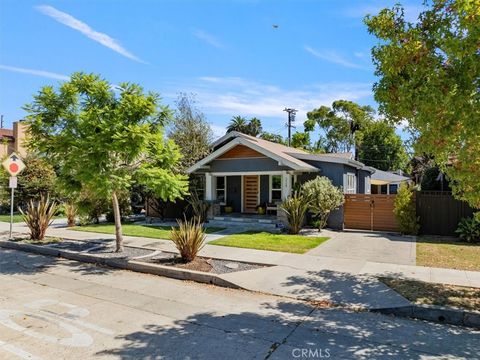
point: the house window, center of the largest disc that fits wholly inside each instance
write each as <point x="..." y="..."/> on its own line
<point x="221" y="185"/>
<point x="383" y="190"/>
<point x="393" y="188"/>
<point x="351" y="184"/>
<point x="275" y="188"/>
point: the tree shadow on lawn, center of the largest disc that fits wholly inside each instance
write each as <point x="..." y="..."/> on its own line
<point x="444" y="240"/>
<point x="287" y="326"/>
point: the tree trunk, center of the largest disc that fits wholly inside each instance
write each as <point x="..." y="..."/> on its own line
<point x="118" y="223"/>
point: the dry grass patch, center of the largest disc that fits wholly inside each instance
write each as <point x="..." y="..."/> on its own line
<point x="420" y="292"/>
<point x="448" y="253"/>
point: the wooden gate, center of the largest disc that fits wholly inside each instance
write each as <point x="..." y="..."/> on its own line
<point x="369" y="212"/>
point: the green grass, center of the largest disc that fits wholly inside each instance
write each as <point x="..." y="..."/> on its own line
<point x="155" y="232"/>
<point x="274" y="242"/>
<point x="17" y="218"/>
<point x="447" y="253"/>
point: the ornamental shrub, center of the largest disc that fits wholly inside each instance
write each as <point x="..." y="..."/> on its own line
<point x="405" y="210"/>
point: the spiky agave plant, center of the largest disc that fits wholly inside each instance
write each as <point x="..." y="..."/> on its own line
<point x="189" y="238"/>
<point x="39" y="216"/>
<point x="296" y="207"/>
<point x="199" y="207"/>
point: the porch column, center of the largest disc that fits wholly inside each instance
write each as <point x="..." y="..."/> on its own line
<point x="208" y="187"/>
<point x="286" y="185"/>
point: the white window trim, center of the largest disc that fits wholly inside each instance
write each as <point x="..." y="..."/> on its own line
<point x="351" y="190"/>
<point x="224" y="189"/>
<point x="270" y="187"/>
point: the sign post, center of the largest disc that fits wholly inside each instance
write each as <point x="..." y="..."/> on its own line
<point x="14" y="166"/>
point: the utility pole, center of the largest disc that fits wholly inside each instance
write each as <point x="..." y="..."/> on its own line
<point x="291" y="119"/>
<point x="1" y="121"/>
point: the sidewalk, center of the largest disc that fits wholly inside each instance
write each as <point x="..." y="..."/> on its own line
<point x="340" y="280"/>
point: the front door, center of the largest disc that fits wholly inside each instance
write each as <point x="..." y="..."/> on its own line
<point x="250" y="193"/>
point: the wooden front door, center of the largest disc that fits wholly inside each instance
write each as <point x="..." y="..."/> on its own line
<point x="250" y="193"/>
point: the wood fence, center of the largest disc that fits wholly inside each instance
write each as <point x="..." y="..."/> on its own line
<point x="370" y="212"/>
<point x="440" y="212"/>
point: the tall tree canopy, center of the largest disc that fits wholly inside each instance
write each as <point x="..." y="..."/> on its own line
<point x="341" y="124"/>
<point x="429" y="76"/>
<point x="251" y="127"/>
<point x="103" y="138"/>
<point x="382" y="148"/>
<point x="190" y="131"/>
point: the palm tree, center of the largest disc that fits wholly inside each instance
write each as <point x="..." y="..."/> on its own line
<point x="238" y="123"/>
<point x="254" y="127"/>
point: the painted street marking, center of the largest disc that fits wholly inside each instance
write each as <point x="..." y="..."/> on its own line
<point x="22" y="354"/>
<point x="70" y="321"/>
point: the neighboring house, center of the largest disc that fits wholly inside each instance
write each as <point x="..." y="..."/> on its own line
<point x="244" y="171"/>
<point x="12" y="140"/>
<point x="385" y="182"/>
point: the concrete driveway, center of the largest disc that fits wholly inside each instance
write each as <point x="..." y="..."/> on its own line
<point x="368" y="246"/>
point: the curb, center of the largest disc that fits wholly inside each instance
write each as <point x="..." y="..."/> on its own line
<point x="132" y="265"/>
<point x="434" y="313"/>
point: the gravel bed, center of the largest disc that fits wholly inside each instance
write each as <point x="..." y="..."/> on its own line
<point x="73" y="245"/>
<point x="209" y="265"/>
<point x="106" y="250"/>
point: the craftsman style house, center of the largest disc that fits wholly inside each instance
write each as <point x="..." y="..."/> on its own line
<point x="245" y="172"/>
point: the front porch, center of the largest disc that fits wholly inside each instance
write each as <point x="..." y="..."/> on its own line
<point x="254" y="195"/>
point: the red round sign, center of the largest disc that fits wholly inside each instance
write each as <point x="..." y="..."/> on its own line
<point x="13" y="167"/>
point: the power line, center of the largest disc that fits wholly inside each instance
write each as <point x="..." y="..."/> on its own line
<point x="291" y="119"/>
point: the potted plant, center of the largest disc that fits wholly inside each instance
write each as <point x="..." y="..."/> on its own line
<point x="260" y="210"/>
<point x="228" y="208"/>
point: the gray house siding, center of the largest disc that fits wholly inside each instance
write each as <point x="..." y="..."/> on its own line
<point x="247" y="165"/>
<point x="363" y="182"/>
<point x="234" y="192"/>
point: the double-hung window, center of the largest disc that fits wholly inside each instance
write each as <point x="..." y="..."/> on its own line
<point x="351" y="184"/>
<point x="275" y="188"/>
<point x="221" y="189"/>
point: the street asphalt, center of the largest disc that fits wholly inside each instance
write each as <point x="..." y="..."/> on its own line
<point x="57" y="309"/>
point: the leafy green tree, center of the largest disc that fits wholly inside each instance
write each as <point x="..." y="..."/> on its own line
<point x="103" y="139"/>
<point x="342" y="124"/>
<point x="429" y="75"/>
<point x="301" y="140"/>
<point x="276" y="138"/>
<point x="323" y="198"/>
<point x="382" y="148"/>
<point x="190" y="131"/>
<point x="405" y="210"/>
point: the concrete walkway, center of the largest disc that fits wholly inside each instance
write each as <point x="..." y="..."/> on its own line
<point x="342" y="280"/>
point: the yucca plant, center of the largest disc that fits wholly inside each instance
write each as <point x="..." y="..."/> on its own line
<point x="39" y="216"/>
<point x="296" y="207"/>
<point x="71" y="211"/>
<point x="189" y="238"/>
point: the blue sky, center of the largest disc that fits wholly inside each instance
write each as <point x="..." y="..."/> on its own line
<point x="226" y="52"/>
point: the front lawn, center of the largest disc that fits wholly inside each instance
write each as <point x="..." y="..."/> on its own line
<point x="267" y="241"/>
<point x="16" y="218"/>
<point x="421" y="292"/>
<point x="447" y="253"/>
<point x="155" y="232"/>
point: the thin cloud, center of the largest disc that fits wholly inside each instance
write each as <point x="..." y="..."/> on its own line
<point x="46" y="74"/>
<point x="207" y="38"/>
<point x="333" y="57"/>
<point x="86" y="30"/>
<point x="232" y="95"/>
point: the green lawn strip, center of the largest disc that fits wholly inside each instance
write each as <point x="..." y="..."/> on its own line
<point x="155" y="232"/>
<point x="267" y="241"/>
<point x="447" y="253"/>
<point x="17" y="218"/>
<point x="421" y="292"/>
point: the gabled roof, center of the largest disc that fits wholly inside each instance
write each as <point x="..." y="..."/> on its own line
<point x="281" y="153"/>
<point x="384" y="177"/>
<point x="285" y="155"/>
